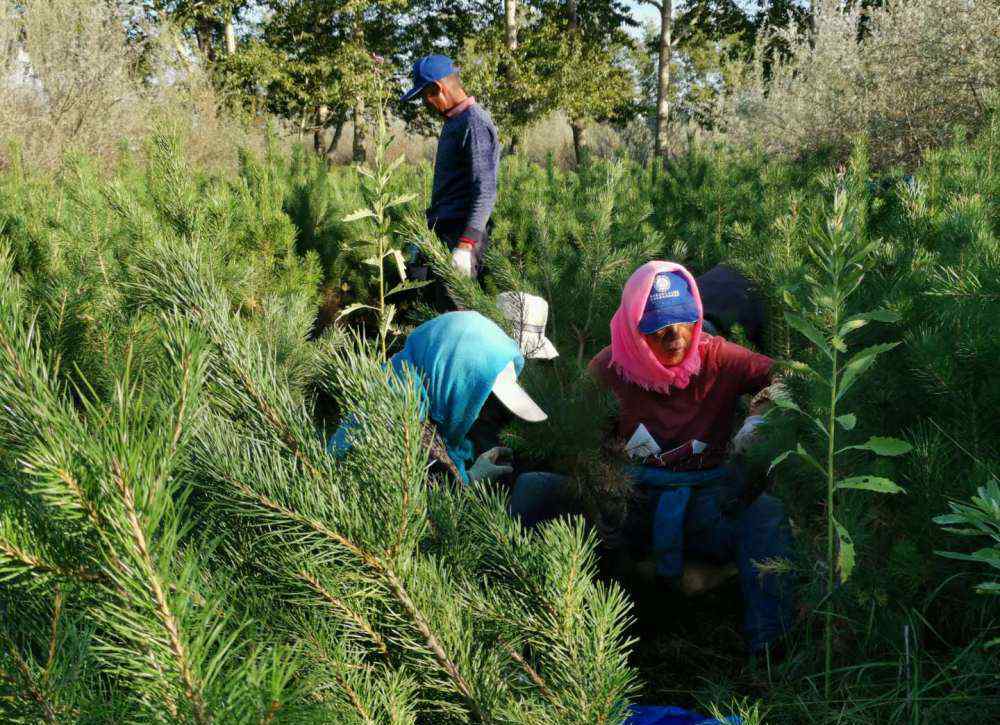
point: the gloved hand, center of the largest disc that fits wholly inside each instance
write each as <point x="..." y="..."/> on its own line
<point x="745" y="435"/>
<point x="486" y="465"/>
<point x="461" y="259"/>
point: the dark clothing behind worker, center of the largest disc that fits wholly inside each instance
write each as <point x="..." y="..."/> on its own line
<point x="729" y="299"/>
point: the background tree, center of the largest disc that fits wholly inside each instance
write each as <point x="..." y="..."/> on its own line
<point x="708" y="39"/>
<point x="774" y="15"/>
<point x="588" y="78"/>
<point x="313" y="62"/>
<point x="510" y="44"/>
<point x="212" y="22"/>
<point x="494" y="46"/>
<point x="664" y="51"/>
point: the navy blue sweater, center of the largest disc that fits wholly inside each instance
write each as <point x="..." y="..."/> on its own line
<point x="465" y="172"/>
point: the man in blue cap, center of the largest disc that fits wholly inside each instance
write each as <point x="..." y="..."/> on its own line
<point x="465" y="168"/>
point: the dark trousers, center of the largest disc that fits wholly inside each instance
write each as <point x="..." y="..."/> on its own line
<point x="448" y="231"/>
<point x="719" y="526"/>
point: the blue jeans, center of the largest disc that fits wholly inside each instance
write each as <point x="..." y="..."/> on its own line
<point x="715" y="529"/>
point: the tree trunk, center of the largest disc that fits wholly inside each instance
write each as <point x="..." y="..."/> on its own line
<point x="510" y="41"/>
<point x="358" y="153"/>
<point x="230" y="38"/>
<point x="319" y="130"/>
<point x="510" y="24"/>
<point x="302" y="125"/>
<point x="338" y="131"/>
<point x="182" y="52"/>
<point x="663" y="82"/>
<point x="579" y="149"/>
<point x="203" y="34"/>
<point x="576" y="122"/>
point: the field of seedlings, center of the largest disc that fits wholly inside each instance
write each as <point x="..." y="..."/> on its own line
<point x="176" y="544"/>
<point x="218" y="500"/>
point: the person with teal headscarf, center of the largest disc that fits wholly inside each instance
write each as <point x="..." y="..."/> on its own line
<point x="461" y="358"/>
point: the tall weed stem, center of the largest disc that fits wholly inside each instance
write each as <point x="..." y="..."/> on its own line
<point x="838" y="251"/>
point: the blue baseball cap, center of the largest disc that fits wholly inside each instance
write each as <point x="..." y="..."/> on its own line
<point x="670" y="302"/>
<point x="426" y="70"/>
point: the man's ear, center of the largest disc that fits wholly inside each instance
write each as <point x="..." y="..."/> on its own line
<point x="453" y="80"/>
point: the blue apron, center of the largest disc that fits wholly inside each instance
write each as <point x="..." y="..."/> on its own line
<point x="668" y="518"/>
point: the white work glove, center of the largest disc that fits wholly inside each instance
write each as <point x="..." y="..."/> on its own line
<point x="461" y="259"/>
<point x="486" y="465"/>
<point x="745" y="436"/>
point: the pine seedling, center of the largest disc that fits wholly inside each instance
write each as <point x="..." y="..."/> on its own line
<point x="600" y="258"/>
<point x="104" y="521"/>
<point x="383" y="564"/>
<point x="585" y="251"/>
<point x="380" y="248"/>
<point x="837" y="253"/>
<point x="465" y="291"/>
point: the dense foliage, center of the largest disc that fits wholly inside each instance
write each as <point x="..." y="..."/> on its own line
<point x="185" y="314"/>
<point x="175" y="543"/>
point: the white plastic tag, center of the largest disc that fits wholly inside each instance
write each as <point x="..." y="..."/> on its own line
<point x="641" y="444"/>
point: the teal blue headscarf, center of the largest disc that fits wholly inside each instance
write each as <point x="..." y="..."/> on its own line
<point x="458" y="357"/>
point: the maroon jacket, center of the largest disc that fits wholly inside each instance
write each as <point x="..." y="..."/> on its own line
<point x="704" y="410"/>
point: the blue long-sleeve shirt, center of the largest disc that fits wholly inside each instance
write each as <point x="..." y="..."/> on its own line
<point x="465" y="171"/>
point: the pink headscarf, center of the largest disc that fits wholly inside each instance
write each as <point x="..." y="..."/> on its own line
<point x="631" y="355"/>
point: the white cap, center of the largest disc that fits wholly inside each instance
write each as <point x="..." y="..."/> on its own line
<point x="514" y="397"/>
<point x="528" y="314"/>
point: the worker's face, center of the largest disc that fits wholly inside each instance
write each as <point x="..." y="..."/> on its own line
<point x="671" y="344"/>
<point x="436" y="98"/>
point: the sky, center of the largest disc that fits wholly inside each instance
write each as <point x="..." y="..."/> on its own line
<point x="644" y="12"/>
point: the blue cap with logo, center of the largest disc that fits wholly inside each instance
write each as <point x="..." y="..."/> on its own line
<point x="670" y="302"/>
<point x="426" y="70"/>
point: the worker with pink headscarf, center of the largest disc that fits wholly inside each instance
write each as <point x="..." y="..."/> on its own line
<point x="678" y="389"/>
